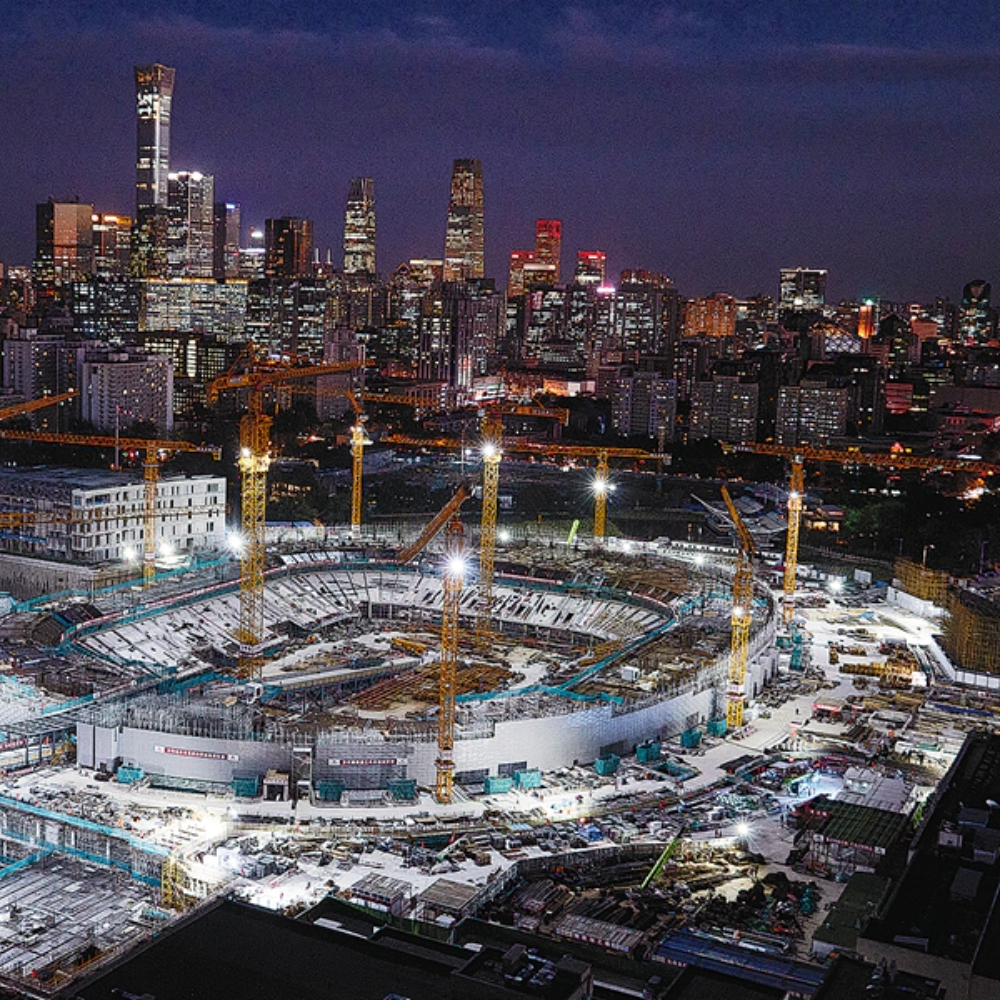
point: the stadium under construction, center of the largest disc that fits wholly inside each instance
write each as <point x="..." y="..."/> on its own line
<point x="590" y="654"/>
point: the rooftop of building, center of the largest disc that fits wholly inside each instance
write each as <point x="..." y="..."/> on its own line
<point x="945" y="902"/>
<point x="234" y="950"/>
<point x="57" y="483"/>
<point x="702" y="984"/>
<point x="860" y="899"/>
<point x="852" y="979"/>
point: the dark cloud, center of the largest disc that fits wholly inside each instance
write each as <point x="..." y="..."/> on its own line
<point x="713" y="141"/>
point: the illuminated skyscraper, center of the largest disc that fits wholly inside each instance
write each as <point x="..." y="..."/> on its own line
<point x="976" y="320"/>
<point x="289" y="245"/>
<point x="64" y="241"/>
<point x="112" y="234"/>
<point x="548" y="244"/>
<point x="359" y="227"/>
<point x="591" y="267"/>
<point x="515" y="275"/>
<point x="154" y="92"/>
<point x="710" y="316"/>
<point x="226" y="250"/>
<point x="190" y="224"/>
<point x="464" y="241"/>
<point x="803" y="289"/>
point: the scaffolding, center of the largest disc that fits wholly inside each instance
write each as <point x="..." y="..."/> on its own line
<point x="926" y="584"/>
<point x="50" y="831"/>
<point x="972" y="632"/>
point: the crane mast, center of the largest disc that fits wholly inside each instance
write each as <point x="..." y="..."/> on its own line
<point x="797" y="486"/>
<point x="255" y="458"/>
<point x="492" y="454"/>
<point x="601" y="486"/>
<point x="454" y="574"/>
<point x="740" y="618"/>
<point x="358" y="441"/>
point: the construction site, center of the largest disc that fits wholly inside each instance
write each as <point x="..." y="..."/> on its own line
<point x="663" y="751"/>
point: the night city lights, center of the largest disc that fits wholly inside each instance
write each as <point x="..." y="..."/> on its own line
<point x="499" y="501"/>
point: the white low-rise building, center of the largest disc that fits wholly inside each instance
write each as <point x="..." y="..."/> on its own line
<point x="94" y="516"/>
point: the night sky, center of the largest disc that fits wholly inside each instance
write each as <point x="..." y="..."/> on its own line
<point x="714" y="141"/>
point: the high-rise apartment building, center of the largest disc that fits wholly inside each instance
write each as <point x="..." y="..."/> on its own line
<point x="140" y="385"/>
<point x="810" y="413"/>
<point x="190" y="224"/>
<point x="459" y="329"/>
<point x="288" y="247"/>
<point x="464" y="243"/>
<point x="226" y="244"/>
<point x="64" y="244"/>
<point x="711" y="316"/>
<point x="724" y="409"/>
<point x="802" y="289"/>
<point x="548" y="245"/>
<point x="643" y="401"/>
<point x="359" y="227"/>
<point x="591" y="267"/>
<point x="36" y="363"/>
<point x="154" y="93"/>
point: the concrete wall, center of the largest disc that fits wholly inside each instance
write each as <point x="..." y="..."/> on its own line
<point x="25" y="577"/>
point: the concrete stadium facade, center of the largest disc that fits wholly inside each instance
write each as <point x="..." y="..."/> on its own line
<point x="497" y="734"/>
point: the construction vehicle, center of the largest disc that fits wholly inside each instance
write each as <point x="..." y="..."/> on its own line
<point x="409" y="645"/>
<point x="741" y="616"/>
<point x="259" y="374"/>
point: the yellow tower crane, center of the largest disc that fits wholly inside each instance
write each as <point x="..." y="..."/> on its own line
<point x="358" y="441"/>
<point x="601" y="485"/>
<point x="492" y="428"/>
<point x="254" y="460"/>
<point x="454" y="576"/>
<point x="153" y="450"/>
<point x="797" y="456"/>
<point x="43" y="402"/>
<point x="796" y="489"/>
<point x="741" y="616"/>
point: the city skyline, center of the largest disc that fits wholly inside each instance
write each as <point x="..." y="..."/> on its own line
<point x="806" y="142"/>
